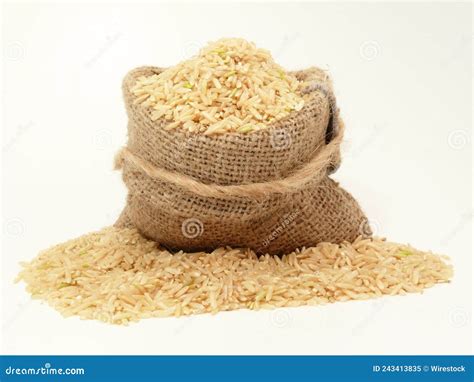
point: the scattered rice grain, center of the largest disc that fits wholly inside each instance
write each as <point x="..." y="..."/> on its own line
<point x="154" y="283"/>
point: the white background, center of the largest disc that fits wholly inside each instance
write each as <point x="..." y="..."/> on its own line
<point x="403" y="79"/>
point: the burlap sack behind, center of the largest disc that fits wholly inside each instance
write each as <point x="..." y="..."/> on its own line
<point x="192" y="192"/>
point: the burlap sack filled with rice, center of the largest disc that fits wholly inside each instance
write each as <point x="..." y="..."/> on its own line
<point x="229" y="149"/>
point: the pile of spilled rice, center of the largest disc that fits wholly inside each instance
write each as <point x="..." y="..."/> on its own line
<point x="230" y="202"/>
<point x="116" y="275"/>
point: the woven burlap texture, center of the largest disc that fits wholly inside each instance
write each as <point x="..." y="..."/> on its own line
<point x="268" y="190"/>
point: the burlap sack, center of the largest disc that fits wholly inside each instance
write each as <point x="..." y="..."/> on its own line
<point x="268" y="190"/>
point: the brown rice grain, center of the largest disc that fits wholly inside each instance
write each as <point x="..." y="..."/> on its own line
<point x="152" y="282"/>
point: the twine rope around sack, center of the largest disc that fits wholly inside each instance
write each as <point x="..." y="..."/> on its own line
<point x="289" y="184"/>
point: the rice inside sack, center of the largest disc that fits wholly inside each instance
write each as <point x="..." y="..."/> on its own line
<point x="267" y="189"/>
<point x="230" y="86"/>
